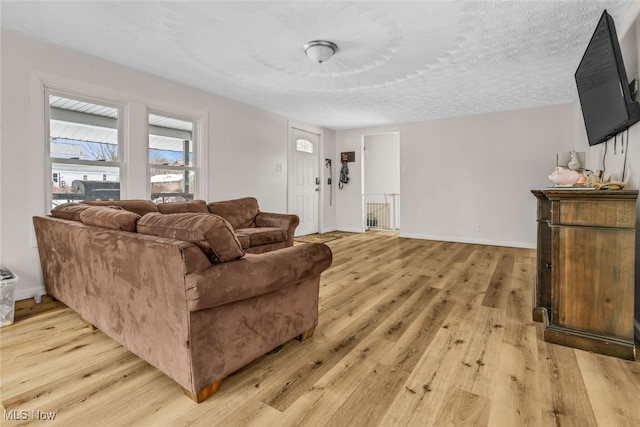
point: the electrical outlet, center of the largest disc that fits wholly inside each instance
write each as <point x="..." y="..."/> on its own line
<point x="479" y="228"/>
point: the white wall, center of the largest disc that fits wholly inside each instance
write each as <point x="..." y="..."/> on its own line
<point x="465" y="171"/>
<point x="382" y="164"/>
<point x="244" y="143"/>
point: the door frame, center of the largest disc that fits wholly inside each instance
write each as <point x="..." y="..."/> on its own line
<point x="321" y="172"/>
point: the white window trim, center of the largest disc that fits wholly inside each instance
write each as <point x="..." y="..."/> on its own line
<point x="84" y="162"/>
<point x="200" y="134"/>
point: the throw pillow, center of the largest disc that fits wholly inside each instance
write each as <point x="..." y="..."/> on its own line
<point x="191" y="206"/>
<point x="138" y="206"/>
<point x="213" y="234"/>
<point x="70" y="211"/>
<point x="108" y="217"/>
<point x="241" y="213"/>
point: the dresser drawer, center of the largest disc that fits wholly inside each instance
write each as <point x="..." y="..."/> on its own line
<point x="594" y="213"/>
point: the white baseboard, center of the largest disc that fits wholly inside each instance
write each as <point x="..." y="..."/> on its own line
<point x="471" y="241"/>
<point x="350" y="230"/>
<point x="21" y="293"/>
<point x="328" y="230"/>
<point x="637" y="328"/>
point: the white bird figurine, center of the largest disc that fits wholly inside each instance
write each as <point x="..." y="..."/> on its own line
<point x="573" y="164"/>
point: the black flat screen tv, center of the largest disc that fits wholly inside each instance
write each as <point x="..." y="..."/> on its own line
<point x="603" y="88"/>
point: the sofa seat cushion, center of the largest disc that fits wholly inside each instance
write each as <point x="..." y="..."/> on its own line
<point x="240" y="213"/>
<point x="70" y="211"/>
<point x="139" y="206"/>
<point x="196" y="206"/>
<point x="263" y="235"/>
<point x="108" y="217"/>
<point x="210" y="232"/>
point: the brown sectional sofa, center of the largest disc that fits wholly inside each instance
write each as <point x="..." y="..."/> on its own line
<point x="177" y="289"/>
<point x="257" y="231"/>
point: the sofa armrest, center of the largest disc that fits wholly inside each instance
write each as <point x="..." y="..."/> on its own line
<point x="255" y="275"/>
<point x="287" y="222"/>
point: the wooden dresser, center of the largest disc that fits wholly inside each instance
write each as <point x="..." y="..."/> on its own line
<point x="584" y="289"/>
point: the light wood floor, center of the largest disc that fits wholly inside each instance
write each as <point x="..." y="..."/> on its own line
<point x="411" y="332"/>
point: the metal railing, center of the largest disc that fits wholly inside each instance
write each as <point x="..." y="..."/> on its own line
<point x="381" y="211"/>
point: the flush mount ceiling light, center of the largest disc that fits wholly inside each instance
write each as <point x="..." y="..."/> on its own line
<point x="320" y="50"/>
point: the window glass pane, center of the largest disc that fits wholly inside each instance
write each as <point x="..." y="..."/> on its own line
<point x="172" y="157"/>
<point x="171" y="145"/>
<point x="170" y="141"/>
<point x="172" y="185"/>
<point x="82" y="130"/>
<point x="304" y="146"/>
<point x="83" y="136"/>
<point x="71" y="182"/>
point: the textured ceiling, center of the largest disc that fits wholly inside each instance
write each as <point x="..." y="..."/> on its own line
<point x="397" y="61"/>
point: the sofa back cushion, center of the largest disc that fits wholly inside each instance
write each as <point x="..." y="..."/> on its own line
<point x="213" y="234"/>
<point x="139" y="206"/>
<point x="108" y="217"/>
<point x="241" y="213"/>
<point x="194" y="206"/>
<point x="69" y="211"/>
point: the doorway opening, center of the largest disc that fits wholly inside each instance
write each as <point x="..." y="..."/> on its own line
<point x="381" y="181"/>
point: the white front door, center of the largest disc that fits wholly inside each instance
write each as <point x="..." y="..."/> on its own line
<point x="304" y="181"/>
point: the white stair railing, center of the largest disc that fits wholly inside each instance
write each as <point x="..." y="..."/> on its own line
<point x="381" y="211"/>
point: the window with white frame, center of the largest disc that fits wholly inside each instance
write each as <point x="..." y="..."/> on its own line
<point x="85" y="146"/>
<point x="172" y="166"/>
